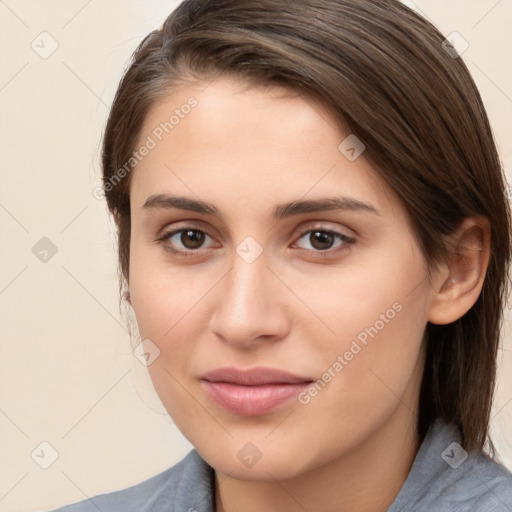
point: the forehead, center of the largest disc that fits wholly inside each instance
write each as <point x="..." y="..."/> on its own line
<point x="256" y="143"/>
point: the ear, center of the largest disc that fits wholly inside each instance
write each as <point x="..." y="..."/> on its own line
<point x="460" y="280"/>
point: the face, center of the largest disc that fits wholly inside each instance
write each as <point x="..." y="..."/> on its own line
<point x="284" y="291"/>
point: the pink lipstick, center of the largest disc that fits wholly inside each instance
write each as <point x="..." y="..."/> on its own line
<point x="252" y="392"/>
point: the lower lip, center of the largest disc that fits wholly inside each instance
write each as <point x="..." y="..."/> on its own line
<point x="251" y="400"/>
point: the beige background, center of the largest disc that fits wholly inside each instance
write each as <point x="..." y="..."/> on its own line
<point x="67" y="374"/>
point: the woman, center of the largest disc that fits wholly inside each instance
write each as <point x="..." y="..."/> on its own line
<point x="314" y="237"/>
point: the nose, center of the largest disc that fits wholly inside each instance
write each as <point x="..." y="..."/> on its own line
<point x="251" y="305"/>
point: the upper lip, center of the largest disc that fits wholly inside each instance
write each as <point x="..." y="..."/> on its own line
<point x="253" y="376"/>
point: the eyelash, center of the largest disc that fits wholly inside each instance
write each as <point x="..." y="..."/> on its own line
<point x="190" y="253"/>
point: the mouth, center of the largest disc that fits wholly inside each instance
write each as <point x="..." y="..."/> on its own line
<point x="252" y="392"/>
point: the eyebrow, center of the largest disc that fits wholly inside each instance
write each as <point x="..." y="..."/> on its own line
<point x="281" y="211"/>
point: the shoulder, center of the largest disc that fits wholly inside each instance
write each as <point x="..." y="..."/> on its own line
<point x="446" y="478"/>
<point x="186" y="486"/>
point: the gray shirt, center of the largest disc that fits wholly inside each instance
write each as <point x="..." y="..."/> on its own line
<point x="443" y="478"/>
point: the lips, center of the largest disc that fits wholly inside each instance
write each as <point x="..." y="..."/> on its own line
<point x="254" y="391"/>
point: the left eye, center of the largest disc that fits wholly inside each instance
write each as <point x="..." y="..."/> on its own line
<point x="322" y="240"/>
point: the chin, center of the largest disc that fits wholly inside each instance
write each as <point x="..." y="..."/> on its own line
<point x="246" y="461"/>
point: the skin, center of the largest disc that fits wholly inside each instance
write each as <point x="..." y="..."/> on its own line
<point x="296" y="307"/>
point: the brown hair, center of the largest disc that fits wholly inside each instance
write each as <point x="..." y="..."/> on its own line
<point x="386" y="77"/>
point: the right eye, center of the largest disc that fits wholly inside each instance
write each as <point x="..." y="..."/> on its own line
<point x="191" y="239"/>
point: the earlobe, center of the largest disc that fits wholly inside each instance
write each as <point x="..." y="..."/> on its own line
<point x="462" y="281"/>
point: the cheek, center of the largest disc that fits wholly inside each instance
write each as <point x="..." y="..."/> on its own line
<point x="375" y="345"/>
<point x="377" y="312"/>
<point x="163" y="301"/>
<point x="372" y="365"/>
<point x="161" y="294"/>
<point x="376" y="294"/>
